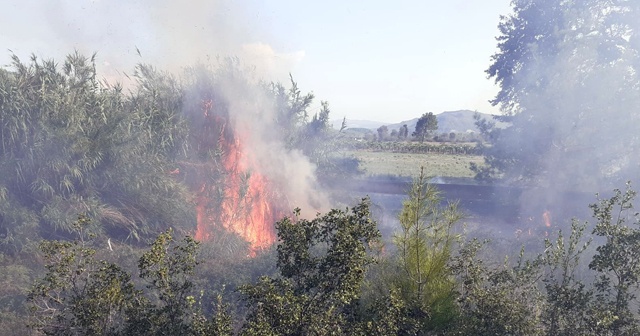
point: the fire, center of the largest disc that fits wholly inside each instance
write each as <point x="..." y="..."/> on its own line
<point x="546" y="216"/>
<point x="232" y="194"/>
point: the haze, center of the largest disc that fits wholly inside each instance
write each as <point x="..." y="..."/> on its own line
<point x="370" y="60"/>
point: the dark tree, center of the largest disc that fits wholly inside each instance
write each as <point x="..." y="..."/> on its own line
<point x="383" y="133"/>
<point x="404" y="131"/>
<point x="425" y="126"/>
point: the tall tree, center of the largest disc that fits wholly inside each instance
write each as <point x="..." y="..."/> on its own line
<point x="383" y="133"/>
<point x="404" y="132"/>
<point x="427" y="123"/>
<point x="424" y="250"/>
<point x="567" y="72"/>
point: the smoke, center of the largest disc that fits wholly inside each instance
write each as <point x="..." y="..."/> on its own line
<point x="194" y="40"/>
<point x="168" y="34"/>
<point x="580" y="105"/>
<point x="254" y="116"/>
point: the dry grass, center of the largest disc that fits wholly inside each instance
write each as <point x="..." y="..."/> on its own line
<point x="406" y="164"/>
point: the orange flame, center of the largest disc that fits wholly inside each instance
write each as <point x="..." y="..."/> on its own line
<point x="241" y="200"/>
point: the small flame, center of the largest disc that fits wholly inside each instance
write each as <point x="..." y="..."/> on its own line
<point x="546" y="216"/>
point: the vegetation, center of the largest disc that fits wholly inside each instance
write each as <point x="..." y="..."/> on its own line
<point x="81" y="295"/>
<point x="425" y="126"/>
<point x="425" y="244"/>
<point x="133" y="165"/>
<point x="332" y="278"/>
<point x="415" y="147"/>
<point x="322" y="264"/>
<point x="553" y="56"/>
<point x="71" y="145"/>
<point x="408" y="164"/>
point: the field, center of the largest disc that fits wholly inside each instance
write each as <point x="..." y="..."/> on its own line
<point x="408" y="164"/>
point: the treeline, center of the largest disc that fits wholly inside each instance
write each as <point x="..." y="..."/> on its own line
<point x="415" y="147"/>
<point x="332" y="276"/>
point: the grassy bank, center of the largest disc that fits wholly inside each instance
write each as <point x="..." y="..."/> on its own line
<point x="408" y="164"/>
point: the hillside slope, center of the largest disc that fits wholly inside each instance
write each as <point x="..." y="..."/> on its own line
<point x="449" y="121"/>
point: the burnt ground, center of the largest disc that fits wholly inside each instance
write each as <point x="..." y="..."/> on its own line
<point x="497" y="212"/>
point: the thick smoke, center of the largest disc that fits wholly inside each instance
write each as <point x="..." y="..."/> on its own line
<point x="579" y="107"/>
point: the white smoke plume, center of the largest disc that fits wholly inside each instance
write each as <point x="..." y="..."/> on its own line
<point x="254" y="117"/>
<point x="168" y="34"/>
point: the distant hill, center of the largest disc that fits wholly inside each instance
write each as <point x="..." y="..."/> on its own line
<point x="449" y="121"/>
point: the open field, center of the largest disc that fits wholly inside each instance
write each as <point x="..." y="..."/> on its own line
<point x="408" y="164"/>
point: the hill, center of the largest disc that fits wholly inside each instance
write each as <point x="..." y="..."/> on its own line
<point x="449" y="121"/>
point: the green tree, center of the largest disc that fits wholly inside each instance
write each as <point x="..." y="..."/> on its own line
<point x="529" y="33"/>
<point x="80" y="295"/>
<point x="618" y="263"/>
<point x="427" y="123"/>
<point x="550" y="120"/>
<point x="322" y="264"/>
<point x="425" y="245"/>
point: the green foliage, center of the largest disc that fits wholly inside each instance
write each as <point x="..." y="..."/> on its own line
<point x="322" y="263"/>
<point x="82" y="295"/>
<point x="70" y="145"/>
<point x="386" y="316"/>
<point x="427" y="123"/>
<point x="415" y="147"/>
<point x="509" y="300"/>
<point x="533" y="23"/>
<point x="496" y="301"/>
<point x="314" y="136"/>
<point x="424" y="251"/>
<point x="568" y="300"/>
<point x="618" y="262"/>
<point x="167" y="268"/>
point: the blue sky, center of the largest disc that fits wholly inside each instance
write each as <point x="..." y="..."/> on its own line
<point x="376" y="60"/>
